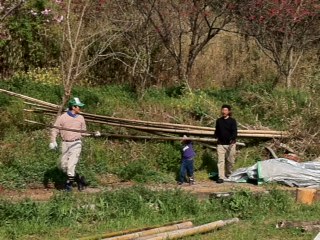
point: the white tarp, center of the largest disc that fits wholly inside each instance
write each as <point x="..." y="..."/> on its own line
<point x="281" y="170"/>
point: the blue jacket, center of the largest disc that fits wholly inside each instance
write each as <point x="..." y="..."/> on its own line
<point x="187" y="152"/>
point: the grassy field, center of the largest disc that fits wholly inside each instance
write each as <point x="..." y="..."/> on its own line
<point x="70" y="216"/>
<point x="25" y="161"/>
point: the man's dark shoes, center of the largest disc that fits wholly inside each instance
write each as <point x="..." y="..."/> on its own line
<point x="81" y="182"/>
<point x="220" y="180"/>
<point x="68" y="186"/>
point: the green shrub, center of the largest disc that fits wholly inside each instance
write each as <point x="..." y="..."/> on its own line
<point x="166" y="156"/>
<point x="245" y="204"/>
<point x="141" y="171"/>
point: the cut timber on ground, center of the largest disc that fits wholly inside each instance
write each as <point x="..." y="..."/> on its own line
<point x="191" y="231"/>
<point x="153" y="231"/>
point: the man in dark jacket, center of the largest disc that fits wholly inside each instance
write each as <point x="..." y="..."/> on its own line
<point x="187" y="155"/>
<point x="226" y="133"/>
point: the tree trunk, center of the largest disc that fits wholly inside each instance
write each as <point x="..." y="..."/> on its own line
<point x="289" y="79"/>
<point x="65" y="99"/>
<point x="190" y="62"/>
<point x="182" y="76"/>
<point x="290" y="69"/>
<point x="276" y="80"/>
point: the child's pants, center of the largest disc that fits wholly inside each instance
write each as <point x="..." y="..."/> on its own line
<point x="186" y="167"/>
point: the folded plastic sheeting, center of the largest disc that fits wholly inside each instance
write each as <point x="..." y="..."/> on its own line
<point x="281" y="170"/>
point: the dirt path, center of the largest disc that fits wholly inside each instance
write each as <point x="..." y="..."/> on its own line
<point x="203" y="190"/>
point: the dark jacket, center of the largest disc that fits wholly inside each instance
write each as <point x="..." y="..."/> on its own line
<point x="226" y="130"/>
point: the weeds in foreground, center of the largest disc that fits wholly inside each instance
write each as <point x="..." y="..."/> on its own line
<point x="74" y="215"/>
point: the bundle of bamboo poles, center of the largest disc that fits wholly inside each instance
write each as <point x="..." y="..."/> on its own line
<point x="139" y="232"/>
<point x="181" y="233"/>
<point x="169" y="231"/>
<point x="158" y="128"/>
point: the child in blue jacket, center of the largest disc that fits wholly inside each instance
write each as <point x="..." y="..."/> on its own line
<point x="187" y="161"/>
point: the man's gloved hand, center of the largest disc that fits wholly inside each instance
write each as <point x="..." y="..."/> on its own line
<point x="97" y="134"/>
<point x="53" y="146"/>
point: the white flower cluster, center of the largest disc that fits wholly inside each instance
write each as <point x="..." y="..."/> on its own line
<point x="47" y="12"/>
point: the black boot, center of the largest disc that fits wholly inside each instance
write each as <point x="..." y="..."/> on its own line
<point x="81" y="182"/>
<point x="69" y="183"/>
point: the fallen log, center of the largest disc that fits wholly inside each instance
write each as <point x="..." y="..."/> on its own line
<point x="191" y="231"/>
<point x="153" y="231"/>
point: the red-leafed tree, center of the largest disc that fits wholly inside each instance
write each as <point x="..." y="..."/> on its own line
<point x="185" y="27"/>
<point x="284" y="29"/>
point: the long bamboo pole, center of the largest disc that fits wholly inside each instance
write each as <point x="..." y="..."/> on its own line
<point x="27" y="98"/>
<point x="202" y="143"/>
<point x="171" y="128"/>
<point x="40" y="106"/>
<point x="160" y="124"/>
<point x="119" y="233"/>
<point x="175" y="131"/>
<point x="190" y="231"/>
<point x="154" y="231"/>
<point x="208" y="140"/>
<point x="179" y="131"/>
<point x="187" y="132"/>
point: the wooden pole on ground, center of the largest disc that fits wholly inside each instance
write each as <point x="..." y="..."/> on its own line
<point x="153" y="231"/>
<point x="129" y="231"/>
<point x="191" y="231"/>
